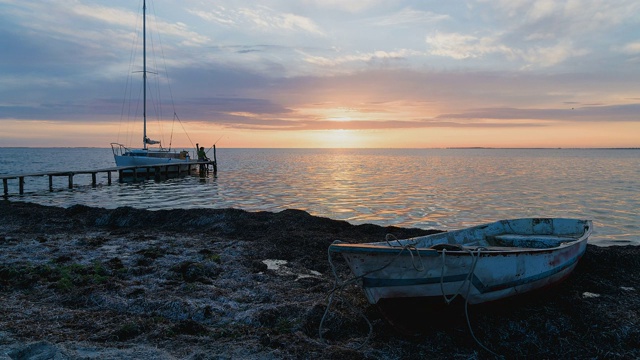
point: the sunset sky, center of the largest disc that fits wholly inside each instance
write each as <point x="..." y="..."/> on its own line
<point x="325" y="73"/>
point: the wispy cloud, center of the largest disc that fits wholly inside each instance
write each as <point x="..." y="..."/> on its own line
<point x="350" y="6"/>
<point x="460" y="46"/>
<point x="260" y="17"/>
<point x="630" y="48"/>
<point x="373" y="57"/>
<point x="624" y="113"/>
<point x="408" y="16"/>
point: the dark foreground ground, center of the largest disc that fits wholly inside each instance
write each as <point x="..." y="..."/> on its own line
<point x="193" y="284"/>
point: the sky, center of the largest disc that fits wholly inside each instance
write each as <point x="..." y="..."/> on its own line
<point x="322" y="73"/>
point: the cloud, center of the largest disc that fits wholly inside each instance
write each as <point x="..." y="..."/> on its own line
<point x="371" y="58"/>
<point x="259" y="17"/>
<point x="530" y="34"/>
<point x="349" y="6"/>
<point x="551" y="55"/>
<point x="129" y="20"/>
<point x="219" y="16"/>
<point x="393" y="124"/>
<point x="409" y="16"/>
<point x="476" y="118"/>
<point x="630" y="48"/>
<point x="459" y="46"/>
<point x="624" y="113"/>
<point x="578" y="16"/>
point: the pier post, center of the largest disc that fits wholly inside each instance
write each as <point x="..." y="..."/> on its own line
<point x="109" y="177"/>
<point x="6" y="187"/>
<point x="50" y="183"/>
<point x="93" y="179"/>
<point x="215" y="161"/>
<point x="71" y="181"/>
<point x="21" y="185"/>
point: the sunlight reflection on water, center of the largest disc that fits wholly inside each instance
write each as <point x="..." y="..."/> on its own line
<point x="443" y="189"/>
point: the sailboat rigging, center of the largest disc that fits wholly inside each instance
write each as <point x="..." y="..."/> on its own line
<point x="125" y="156"/>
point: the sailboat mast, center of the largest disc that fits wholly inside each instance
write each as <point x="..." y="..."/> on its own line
<point x="144" y="73"/>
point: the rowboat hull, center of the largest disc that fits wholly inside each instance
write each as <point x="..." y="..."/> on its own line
<point x="482" y="263"/>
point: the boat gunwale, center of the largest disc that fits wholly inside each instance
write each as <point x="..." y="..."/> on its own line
<point x="474" y="250"/>
<point x="465" y="251"/>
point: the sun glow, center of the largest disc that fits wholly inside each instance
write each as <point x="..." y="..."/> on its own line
<point x="340" y="138"/>
<point x="340" y="118"/>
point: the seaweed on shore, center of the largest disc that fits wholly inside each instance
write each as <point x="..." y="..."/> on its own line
<point x="129" y="283"/>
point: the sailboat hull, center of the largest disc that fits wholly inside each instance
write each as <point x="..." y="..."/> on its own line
<point x="147" y="161"/>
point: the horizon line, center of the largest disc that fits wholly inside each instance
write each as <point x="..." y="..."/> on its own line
<point x="356" y="148"/>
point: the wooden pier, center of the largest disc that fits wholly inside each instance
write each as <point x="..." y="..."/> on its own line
<point x="134" y="173"/>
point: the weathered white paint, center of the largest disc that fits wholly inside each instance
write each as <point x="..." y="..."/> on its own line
<point x="481" y="263"/>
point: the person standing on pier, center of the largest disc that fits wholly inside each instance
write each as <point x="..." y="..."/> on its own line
<point x="202" y="155"/>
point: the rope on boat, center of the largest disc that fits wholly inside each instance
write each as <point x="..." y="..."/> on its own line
<point x="467" y="278"/>
<point x="339" y="285"/>
<point x="466" y="296"/>
<point x="410" y="247"/>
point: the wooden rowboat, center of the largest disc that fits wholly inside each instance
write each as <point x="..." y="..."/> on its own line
<point x="481" y="263"/>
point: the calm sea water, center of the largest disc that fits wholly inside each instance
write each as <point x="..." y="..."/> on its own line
<point x="425" y="188"/>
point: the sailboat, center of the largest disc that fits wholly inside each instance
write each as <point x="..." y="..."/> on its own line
<point x="125" y="156"/>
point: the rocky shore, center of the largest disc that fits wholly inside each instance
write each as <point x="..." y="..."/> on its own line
<point x="92" y="283"/>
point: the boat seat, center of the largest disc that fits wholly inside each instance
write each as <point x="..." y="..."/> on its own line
<point x="530" y="241"/>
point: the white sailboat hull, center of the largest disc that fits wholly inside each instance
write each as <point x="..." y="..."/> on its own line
<point x="125" y="157"/>
<point x="147" y="161"/>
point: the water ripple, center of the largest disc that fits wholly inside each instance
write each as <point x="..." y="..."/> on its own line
<point x="442" y="189"/>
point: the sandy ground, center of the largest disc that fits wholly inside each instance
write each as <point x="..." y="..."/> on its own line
<point x="90" y="283"/>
